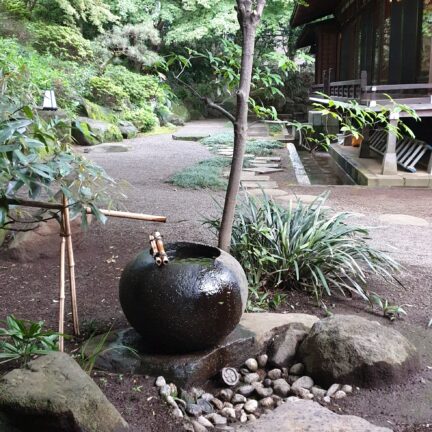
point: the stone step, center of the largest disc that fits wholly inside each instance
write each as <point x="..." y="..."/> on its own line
<point x="259" y="184"/>
<point x="263" y="170"/>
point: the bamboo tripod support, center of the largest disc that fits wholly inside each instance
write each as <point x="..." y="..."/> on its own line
<point x="66" y="245"/>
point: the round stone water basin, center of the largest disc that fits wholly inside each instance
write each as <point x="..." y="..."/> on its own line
<point x="188" y="305"/>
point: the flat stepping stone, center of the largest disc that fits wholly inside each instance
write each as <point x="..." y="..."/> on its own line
<point x="401" y="219"/>
<point x="259" y="184"/>
<point x="264" y="170"/>
<point x="268" y="159"/>
<point x="248" y="176"/>
<point x="270" y="192"/>
<point x="189" y="137"/>
<point x="265" y="165"/>
<point x="108" y="148"/>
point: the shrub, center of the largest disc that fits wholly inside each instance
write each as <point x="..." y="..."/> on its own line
<point x="40" y="72"/>
<point x="304" y="247"/>
<point x="139" y="88"/>
<point x="206" y="174"/>
<point x="143" y="118"/>
<point x="64" y="42"/>
<point x="21" y="340"/>
<point x="105" y="92"/>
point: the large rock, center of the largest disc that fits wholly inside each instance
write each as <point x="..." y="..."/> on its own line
<point x="42" y="242"/>
<point x="304" y="415"/>
<point x="249" y="339"/>
<point x="87" y="132"/>
<point x="354" y="350"/>
<point x="283" y="349"/>
<point x="127" y="129"/>
<point x="55" y="395"/>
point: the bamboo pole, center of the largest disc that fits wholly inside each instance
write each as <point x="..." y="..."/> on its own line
<point x="71" y="267"/>
<point x="111" y="213"/>
<point x="62" y="285"/>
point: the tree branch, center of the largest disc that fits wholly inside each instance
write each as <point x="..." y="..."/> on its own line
<point x="208" y="101"/>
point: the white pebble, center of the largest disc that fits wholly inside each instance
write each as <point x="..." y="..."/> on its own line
<point x="347" y="388"/>
<point x="251" y="364"/>
<point x="160" y="381"/>
<point x="340" y="394"/>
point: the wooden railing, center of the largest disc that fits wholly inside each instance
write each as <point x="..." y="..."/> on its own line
<point x="360" y="91"/>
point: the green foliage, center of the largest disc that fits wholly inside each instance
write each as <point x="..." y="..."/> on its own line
<point x="389" y="310"/>
<point x="304" y="247"/>
<point x="143" y="118"/>
<point x="30" y="73"/>
<point x="34" y="162"/>
<point x="104" y="91"/>
<point x="133" y="42"/>
<point x="139" y="88"/>
<point x="21" y="340"/>
<point x="254" y="146"/>
<point x="206" y="174"/>
<point x="15" y="8"/>
<point x="63" y="42"/>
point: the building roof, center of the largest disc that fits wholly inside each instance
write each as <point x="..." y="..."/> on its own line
<point x="308" y="34"/>
<point x="316" y="9"/>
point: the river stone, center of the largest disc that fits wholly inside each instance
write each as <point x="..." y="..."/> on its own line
<point x="303" y="382"/>
<point x="251" y="364"/>
<point x="251" y="406"/>
<point x="54" y="394"/>
<point x="246" y="390"/>
<point x="304" y="415"/>
<point x="239" y="398"/>
<point x="127" y="129"/>
<point x="354" y="350"/>
<point x="264" y="392"/>
<point x="281" y="387"/>
<point x="283" y="350"/>
<point x="251" y="378"/>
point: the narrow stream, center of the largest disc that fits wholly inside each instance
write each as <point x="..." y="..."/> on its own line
<point x="320" y="168"/>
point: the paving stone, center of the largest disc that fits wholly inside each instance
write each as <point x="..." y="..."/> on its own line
<point x="259" y="184"/>
<point x="269" y="192"/>
<point x="268" y="158"/>
<point x="401" y="219"/>
<point x="306" y="199"/>
<point x="265" y="165"/>
<point x="263" y="170"/>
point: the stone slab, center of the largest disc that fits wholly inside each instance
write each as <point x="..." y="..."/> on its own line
<point x="108" y="148"/>
<point x="402" y="219"/>
<point x="263" y="170"/>
<point x="189" y="137"/>
<point x="248" y="339"/>
<point x="268" y="158"/>
<point x="259" y="184"/>
<point x="247" y="175"/>
<point x="265" y="164"/>
<point x="310" y="416"/>
<point x="269" y="192"/>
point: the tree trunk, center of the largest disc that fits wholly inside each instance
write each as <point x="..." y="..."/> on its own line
<point x="249" y="18"/>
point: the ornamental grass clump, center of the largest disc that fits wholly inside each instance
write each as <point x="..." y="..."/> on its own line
<point x="304" y="246"/>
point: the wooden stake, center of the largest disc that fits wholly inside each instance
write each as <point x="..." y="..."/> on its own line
<point x="71" y="266"/>
<point x="62" y="285"/>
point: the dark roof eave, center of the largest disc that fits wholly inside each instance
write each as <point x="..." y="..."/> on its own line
<point x="317" y="9"/>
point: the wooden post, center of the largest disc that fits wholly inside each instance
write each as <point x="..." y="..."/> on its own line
<point x="71" y="267"/>
<point x="62" y="284"/>
<point x="363" y="85"/>
<point x="364" y="146"/>
<point x="389" y="164"/>
<point x="430" y="64"/>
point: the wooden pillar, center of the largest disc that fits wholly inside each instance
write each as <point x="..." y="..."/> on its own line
<point x="389" y="164"/>
<point x="430" y="64"/>
<point x="364" y="146"/>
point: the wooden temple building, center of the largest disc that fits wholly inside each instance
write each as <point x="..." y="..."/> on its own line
<point x="365" y="50"/>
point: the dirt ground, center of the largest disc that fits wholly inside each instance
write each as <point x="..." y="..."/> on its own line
<point x="28" y="289"/>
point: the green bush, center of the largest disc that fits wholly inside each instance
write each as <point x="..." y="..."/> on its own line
<point x="139" y="88"/>
<point x="206" y="174"/>
<point x="105" y="92"/>
<point x="42" y="72"/>
<point x="304" y="247"/>
<point x="66" y="43"/>
<point x="16" y="8"/>
<point x="143" y="118"/>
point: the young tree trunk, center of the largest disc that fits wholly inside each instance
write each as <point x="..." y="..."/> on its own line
<point x="249" y="17"/>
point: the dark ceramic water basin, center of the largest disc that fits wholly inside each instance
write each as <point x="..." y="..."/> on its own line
<point x="188" y="305"/>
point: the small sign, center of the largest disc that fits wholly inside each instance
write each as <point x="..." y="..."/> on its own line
<point x="230" y="376"/>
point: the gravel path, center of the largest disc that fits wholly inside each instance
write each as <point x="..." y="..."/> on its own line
<point x="147" y="167"/>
